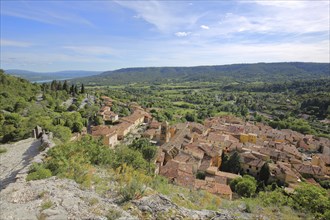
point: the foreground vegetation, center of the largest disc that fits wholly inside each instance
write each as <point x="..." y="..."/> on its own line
<point x="124" y="173"/>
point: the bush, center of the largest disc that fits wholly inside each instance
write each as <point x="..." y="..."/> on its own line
<point x="325" y="184"/>
<point x="276" y="198"/>
<point x="311" y="198"/>
<point x="38" y="172"/>
<point x="245" y="186"/>
<point x="133" y="182"/>
<point x="125" y="155"/>
<point x="62" y="133"/>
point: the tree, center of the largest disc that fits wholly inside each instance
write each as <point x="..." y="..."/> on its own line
<point x="224" y="162"/>
<point x="76" y="89"/>
<point x="190" y="117"/>
<point x="77" y="126"/>
<point x="82" y="91"/>
<point x="149" y="152"/>
<point x="65" y="86"/>
<point x="140" y="144"/>
<point x="72" y="89"/>
<point x="230" y="164"/>
<point x="311" y="198"/>
<point x="245" y="186"/>
<point x="264" y="173"/>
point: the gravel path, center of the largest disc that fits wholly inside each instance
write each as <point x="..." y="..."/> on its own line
<point x="16" y="159"/>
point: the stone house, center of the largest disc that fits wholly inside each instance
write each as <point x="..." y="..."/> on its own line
<point x="109" y="136"/>
<point x="284" y="173"/>
<point x="221" y="190"/>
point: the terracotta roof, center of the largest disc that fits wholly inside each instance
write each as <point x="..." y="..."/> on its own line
<point x="256" y="163"/>
<point x="325" y="158"/>
<point x="213" y="187"/>
<point x="245" y="157"/>
<point x="227" y="175"/>
<point x="123" y="126"/>
<point x="101" y="130"/>
<point x="308" y="169"/>
<point x="110" y="113"/>
<point x="215" y="137"/>
<point x="178" y="139"/>
<point x="194" y="150"/>
<point x="133" y="117"/>
<point x="181" y="173"/>
<point x="154" y="124"/>
<point x="183" y="157"/>
<point x="209" y="149"/>
<point x="206" y="162"/>
<point x="105" y="108"/>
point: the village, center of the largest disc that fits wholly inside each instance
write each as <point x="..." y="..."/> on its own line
<point x="190" y="148"/>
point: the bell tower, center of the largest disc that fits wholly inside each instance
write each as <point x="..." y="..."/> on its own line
<point x="164" y="133"/>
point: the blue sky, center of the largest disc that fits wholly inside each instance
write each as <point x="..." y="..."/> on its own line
<point x="107" y="35"/>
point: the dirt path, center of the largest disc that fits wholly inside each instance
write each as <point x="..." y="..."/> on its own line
<point x="16" y="159"/>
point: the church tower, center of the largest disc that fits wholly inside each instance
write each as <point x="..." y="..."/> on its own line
<point x="164" y="133"/>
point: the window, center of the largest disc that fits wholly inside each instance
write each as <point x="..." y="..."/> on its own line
<point x="250" y="166"/>
<point x="257" y="168"/>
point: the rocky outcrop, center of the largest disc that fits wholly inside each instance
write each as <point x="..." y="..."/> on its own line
<point x="56" y="198"/>
<point x="160" y="207"/>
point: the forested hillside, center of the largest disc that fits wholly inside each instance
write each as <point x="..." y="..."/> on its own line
<point x="24" y="105"/>
<point x="48" y="76"/>
<point x="262" y="72"/>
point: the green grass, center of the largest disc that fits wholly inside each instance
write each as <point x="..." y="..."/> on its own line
<point x="3" y="150"/>
<point x="46" y="205"/>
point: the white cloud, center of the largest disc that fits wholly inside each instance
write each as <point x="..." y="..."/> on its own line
<point x="182" y="34"/>
<point x="12" y="43"/>
<point x="205" y="27"/>
<point x="165" y="16"/>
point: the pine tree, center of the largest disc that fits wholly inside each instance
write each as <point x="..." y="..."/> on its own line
<point x="72" y="89"/>
<point x="234" y="164"/>
<point x="264" y="173"/>
<point x="65" y="86"/>
<point x="59" y="86"/>
<point x="82" y="91"/>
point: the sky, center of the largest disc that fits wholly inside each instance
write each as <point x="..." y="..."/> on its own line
<point x="107" y="35"/>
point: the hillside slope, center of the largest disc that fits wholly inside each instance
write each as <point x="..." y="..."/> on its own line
<point x="48" y="76"/>
<point x="265" y="72"/>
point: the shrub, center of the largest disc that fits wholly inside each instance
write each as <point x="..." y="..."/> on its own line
<point x="311" y="198"/>
<point x="38" y="172"/>
<point x="325" y="184"/>
<point x="46" y="205"/>
<point x="245" y="186"/>
<point x="276" y="198"/>
<point x="133" y="182"/>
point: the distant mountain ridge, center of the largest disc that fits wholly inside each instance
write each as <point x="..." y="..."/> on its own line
<point x="45" y="76"/>
<point x="264" y="72"/>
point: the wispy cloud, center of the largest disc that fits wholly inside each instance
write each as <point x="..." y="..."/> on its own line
<point x="50" y="13"/>
<point x="13" y="43"/>
<point x="182" y="34"/>
<point x="205" y="27"/>
<point x="165" y="16"/>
